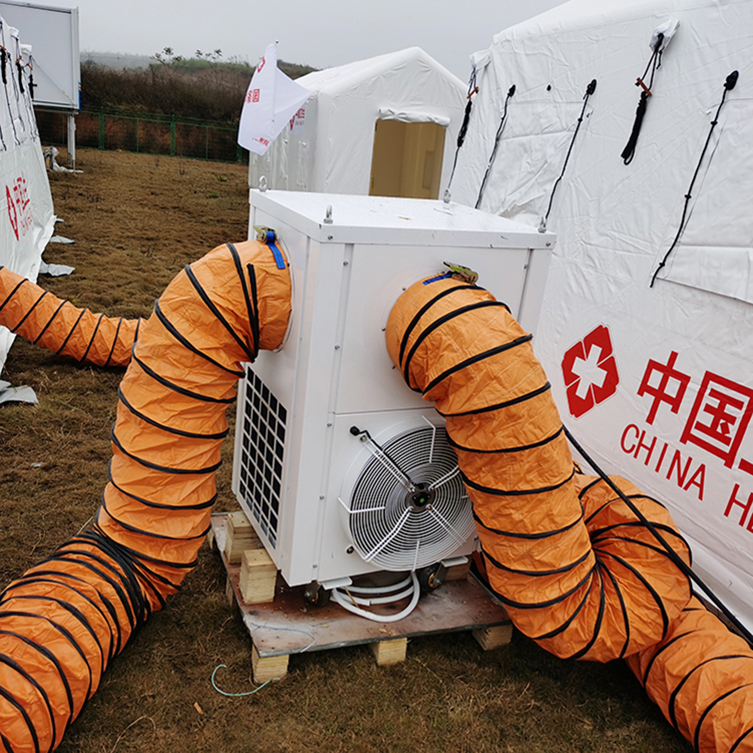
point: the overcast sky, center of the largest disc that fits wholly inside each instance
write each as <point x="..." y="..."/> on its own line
<point x="321" y="34"/>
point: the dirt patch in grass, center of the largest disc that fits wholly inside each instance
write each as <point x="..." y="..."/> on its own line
<point x="136" y="221"/>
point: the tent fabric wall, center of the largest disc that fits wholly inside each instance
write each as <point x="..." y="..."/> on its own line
<point x="655" y="381"/>
<point x="26" y="212"/>
<point x="329" y="148"/>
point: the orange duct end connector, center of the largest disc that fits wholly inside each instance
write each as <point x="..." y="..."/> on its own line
<point x="62" y="622"/>
<point x="47" y="321"/>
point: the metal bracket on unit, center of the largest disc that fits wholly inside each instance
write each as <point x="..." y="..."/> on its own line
<point x="328" y="585"/>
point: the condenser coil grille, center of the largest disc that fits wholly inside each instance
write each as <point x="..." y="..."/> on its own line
<point x="399" y="529"/>
<point x="262" y="454"/>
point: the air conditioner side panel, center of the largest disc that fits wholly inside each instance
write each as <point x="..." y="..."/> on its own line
<point x="300" y="376"/>
<point x="309" y="363"/>
<point x="318" y="365"/>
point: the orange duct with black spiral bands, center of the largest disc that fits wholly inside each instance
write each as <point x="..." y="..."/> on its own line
<point x="63" y="620"/>
<point x="577" y="569"/>
<point x="45" y="320"/>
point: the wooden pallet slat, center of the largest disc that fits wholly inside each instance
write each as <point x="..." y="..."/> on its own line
<point x="258" y="577"/>
<point x="268" y="667"/>
<point x="493" y="637"/>
<point x="390" y="652"/>
<point x="239" y="536"/>
<point x="281" y="623"/>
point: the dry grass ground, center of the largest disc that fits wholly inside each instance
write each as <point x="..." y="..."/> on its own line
<point x="136" y="220"/>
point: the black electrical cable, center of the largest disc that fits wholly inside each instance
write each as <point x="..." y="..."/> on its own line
<point x="590" y="89"/>
<point x="497" y="137"/>
<point x="729" y="85"/>
<point x="676" y="559"/>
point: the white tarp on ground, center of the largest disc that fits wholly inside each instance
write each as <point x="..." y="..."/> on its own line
<point x="26" y="212"/>
<point x="327" y="146"/>
<point x="656" y="382"/>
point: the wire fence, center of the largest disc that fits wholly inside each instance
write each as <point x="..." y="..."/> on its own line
<point x="151" y="133"/>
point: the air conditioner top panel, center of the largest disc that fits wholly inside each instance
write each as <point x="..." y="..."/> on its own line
<point x="381" y="220"/>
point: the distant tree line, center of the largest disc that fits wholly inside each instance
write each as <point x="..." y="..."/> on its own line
<point x="204" y="86"/>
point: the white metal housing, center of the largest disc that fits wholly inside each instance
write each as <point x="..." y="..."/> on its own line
<point x="296" y="460"/>
<point x="53" y="35"/>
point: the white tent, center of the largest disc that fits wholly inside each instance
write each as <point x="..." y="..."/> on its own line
<point x="655" y="382"/>
<point x="400" y="112"/>
<point x="26" y="213"/>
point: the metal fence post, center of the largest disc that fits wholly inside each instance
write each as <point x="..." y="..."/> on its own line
<point x="101" y="130"/>
<point x="172" y="136"/>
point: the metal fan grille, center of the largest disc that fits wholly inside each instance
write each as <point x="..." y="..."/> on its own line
<point x="387" y="527"/>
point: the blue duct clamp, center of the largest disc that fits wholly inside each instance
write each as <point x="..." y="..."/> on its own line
<point x="268" y="236"/>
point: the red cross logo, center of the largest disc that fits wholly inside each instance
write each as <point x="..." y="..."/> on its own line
<point x="590" y="371"/>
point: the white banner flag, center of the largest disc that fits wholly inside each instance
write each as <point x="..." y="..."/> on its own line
<point x="271" y="101"/>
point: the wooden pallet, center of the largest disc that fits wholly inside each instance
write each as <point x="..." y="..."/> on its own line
<point x="281" y="623"/>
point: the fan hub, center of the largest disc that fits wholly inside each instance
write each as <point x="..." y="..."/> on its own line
<point x="420" y="499"/>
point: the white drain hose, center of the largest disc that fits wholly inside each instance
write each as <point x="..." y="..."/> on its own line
<point x="350" y="602"/>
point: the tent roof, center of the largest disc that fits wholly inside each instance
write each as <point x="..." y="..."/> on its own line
<point x="588" y="13"/>
<point x="333" y="81"/>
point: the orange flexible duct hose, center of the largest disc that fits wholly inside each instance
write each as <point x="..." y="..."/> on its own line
<point x="575" y="567"/>
<point x="65" y="618"/>
<point x="41" y="318"/>
<point x="701" y="677"/>
<point x="463" y="350"/>
<point x="63" y="621"/>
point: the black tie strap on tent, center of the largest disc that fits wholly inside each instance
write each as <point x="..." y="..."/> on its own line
<point x="497" y="137"/>
<point x="590" y="89"/>
<point x="472" y="89"/>
<point x="729" y="85"/>
<point x="9" y="81"/>
<point x="659" y="41"/>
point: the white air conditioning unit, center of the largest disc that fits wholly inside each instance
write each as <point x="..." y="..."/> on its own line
<point x="342" y="469"/>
